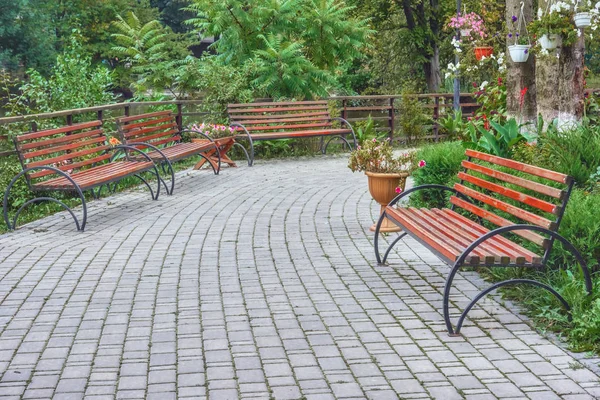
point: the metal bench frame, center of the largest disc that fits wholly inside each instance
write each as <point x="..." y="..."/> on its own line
<point x="461" y="261"/>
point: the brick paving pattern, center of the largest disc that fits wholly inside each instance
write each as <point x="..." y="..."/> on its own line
<point x="259" y="283"/>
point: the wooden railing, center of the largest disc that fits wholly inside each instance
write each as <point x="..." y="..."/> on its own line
<point x="383" y="109"/>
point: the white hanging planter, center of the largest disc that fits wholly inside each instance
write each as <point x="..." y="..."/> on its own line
<point x="465" y="32"/>
<point x="583" y="19"/>
<point x="550" y="42"/>
<point x="519" y="53"/>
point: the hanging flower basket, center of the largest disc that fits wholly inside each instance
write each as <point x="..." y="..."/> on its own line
<point x="583" y="19"/>
<point x="550" y="42"/>
<point x="481" y="52"/>
<point x="519" y="53"/>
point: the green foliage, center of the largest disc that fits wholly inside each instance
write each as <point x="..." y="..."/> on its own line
<point x="575" y="152"/>
<point x="74" y="83"/>
<point x="454" y="125"/>
<point x="501" y="140"/>
<point x="300" y="46"/>
<point x="442" y="165"/>
<point x="411" y="118"/>
<point x="365" y="131"/>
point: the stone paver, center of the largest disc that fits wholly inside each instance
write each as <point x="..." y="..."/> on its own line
<point x="258" y="283"/>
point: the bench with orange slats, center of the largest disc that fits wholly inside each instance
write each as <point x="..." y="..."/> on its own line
<point x="159" y="136"/>
<point x="500" y="192"/>
<point x="287" y="120"/>
<point x="74" y="158"/>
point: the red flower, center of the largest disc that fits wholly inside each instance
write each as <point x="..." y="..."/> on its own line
<point x="522" y="98"/>
<point x="398" y="189"/>
<point x="422" y="163"/>
<point x="499" y="81"/>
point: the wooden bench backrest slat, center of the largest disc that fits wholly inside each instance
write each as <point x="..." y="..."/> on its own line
<point x="500" y="205"/>
<point x="158" y="128"/>
<point x="265" y="118"/>
<point x="52" y="132"/>
<point x="512" y="194"/>
<point x="497" y="220"/>
<point x="530" y="169"/>
<point x="243" y="118"/>
<point x="67" y="148"/>
<point x="279" y="103"/>
<point x="524" y="183"/>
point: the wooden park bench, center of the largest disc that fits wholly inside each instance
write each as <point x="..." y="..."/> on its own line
<point x="287" y="120"/>
<point x="489" y="190"/>
<point x="75" y="158"/>
<point x="159" y="135"/>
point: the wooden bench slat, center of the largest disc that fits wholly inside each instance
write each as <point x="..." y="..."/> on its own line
<point x="64" y="129"/>
<point x="497" y="220"/>
<point x="282" y="127"/>
<point x="75" y="165"/>
<point x="524" y="183"/>
<point x="500" y="205"/>
<point x="146" y="131"/>
<point x="277" y="109"/>
<point x="242" y="118"/>
<point x="130" y="127"/>
<point x="144" y="116"/>
<point x="511" y="194"/>
<point x="285" y="120"/>
<point x="70" y="156"/>
<point x="529" y="169"/>
<point x="296" y="134"/>
<point x="58" y="140"/>
<point x="62" y="148"/>
<point x="278" y="103"/>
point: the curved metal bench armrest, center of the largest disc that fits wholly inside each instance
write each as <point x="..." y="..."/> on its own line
<point x="125" y="147"/>
<point x="343" y="121"/>
<point x="427" y="186"/>
<point x="56" y="171"/>
<point x="151" y="146"/>
<point x="251" y="158"/>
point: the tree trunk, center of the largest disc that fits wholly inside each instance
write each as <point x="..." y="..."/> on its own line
<point x="432" y="71"/>
<point x="520" y="76"/>
<point x="560" y="84"/>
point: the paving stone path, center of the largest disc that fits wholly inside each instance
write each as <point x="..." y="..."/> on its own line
<point x="259" y="283"/>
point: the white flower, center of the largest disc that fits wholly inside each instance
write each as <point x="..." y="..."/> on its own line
<point x="483" y="85"/>
<point x="540" y="13"/>
<point x="557" y="55"/>
<point x="447" y="75"/>
<point x="578" y="32"/>
<point x="544" y="52"/>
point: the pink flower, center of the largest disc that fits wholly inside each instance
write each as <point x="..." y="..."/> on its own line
<point x="398" y="189"/>
<point x="422" y="163"/>
<point x="357" y="147"/>
<point x="374" y="140"/>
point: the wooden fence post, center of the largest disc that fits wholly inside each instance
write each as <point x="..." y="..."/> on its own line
<point x="392" y="117"/>
<point x="344" y="113"/>
<point x="436" y="117"/>
<point x="179" y="117"/>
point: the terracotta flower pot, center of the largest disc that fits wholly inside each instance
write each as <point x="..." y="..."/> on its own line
<point x="383" y="189"/>
<point x="481" y="52"/>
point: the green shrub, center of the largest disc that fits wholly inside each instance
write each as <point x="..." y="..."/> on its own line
<point x="575" y="152"/>
<point x="442" y="165"/>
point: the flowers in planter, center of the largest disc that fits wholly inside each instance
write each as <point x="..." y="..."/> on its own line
<point x="470" y="25"/>
<point x="518" y="43"/>
<point x="555" y="26"/>
<point x="378" y="156"/>
<point x="214" y="131"/>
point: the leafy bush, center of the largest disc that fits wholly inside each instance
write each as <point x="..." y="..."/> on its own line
<point x="575" y="152"/>
<point x="442" y="165"/>
<point x="411" y="118"/>
<point x="500" y="141"/>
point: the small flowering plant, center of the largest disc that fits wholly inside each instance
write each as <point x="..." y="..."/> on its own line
<point x="557" y="20"/>
<point x="378" y="156"/>
<point x="214" y="131"/>
<point x="515" y="33"/>
<point x="113" y="141"/>
<point x="471" y="25"/>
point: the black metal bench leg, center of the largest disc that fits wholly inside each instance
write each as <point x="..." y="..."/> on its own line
<point x="245" y="152"/>
<point x="376" y="240"/>
<point x="80" y="226"/>
<point x="334" y="137"/>
<point x="389" y="249"/>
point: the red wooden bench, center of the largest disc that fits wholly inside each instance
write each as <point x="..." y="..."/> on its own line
<point x="287" y="120"/>
<point x="159" y="135"/>
<point x="489" y="190"/>
<point x="74" y="158"/>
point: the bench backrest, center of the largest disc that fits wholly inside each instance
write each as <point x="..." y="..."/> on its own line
<point x="491" y="181"/>
<point x="281" y="116"/>
<point x="72" y="147"/>
<point x="158" y="128"/>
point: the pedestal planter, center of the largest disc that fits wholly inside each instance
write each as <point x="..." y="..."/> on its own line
<point x="481" y="52"/>
<point x="383" y="189"/>
<point x="519" y="53"/>
<point x="583" y="19"/>
<point x="550" y="42"/>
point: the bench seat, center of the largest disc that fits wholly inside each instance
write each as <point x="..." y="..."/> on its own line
<point x="97" y="176"/>
<point x="181" y="150"/>
<point x="297" y="134"/>
<point x="450" y="233"/>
